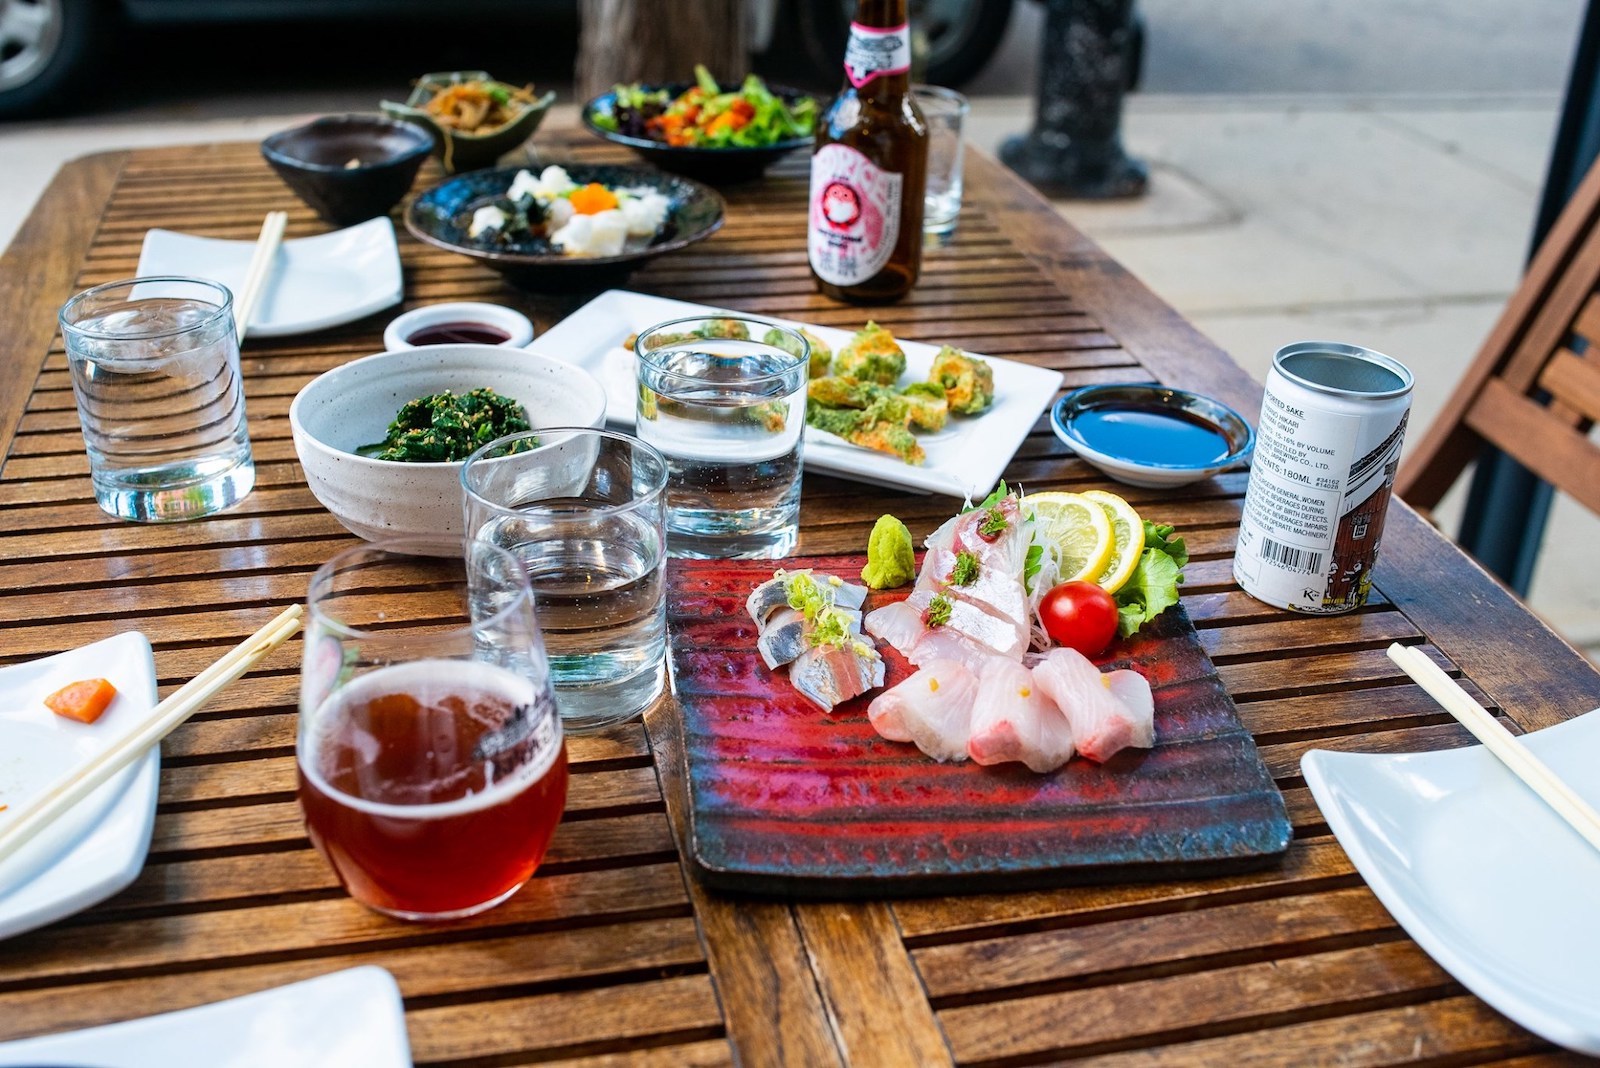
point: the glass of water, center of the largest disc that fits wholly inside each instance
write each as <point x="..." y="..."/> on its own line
<point x="724" y="399"/>
<point x="946" y="112"/>
<point x="155" y="370"/>
<point x="584" y="513"/>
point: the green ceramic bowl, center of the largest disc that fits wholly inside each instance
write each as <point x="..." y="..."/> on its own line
<point x="462" y="151"/>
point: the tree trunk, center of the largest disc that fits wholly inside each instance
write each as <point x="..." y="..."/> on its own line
<point x="659" y="41"/>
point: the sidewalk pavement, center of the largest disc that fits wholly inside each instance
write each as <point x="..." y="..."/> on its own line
<point x="1399" y="222"/>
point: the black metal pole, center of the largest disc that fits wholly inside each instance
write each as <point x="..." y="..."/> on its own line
<point x="1507" y="506"/>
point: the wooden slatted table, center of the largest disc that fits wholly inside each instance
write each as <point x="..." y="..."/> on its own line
<point x="612" y="955"/>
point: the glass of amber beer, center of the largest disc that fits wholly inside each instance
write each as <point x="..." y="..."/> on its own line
<point x="431" y="762"/>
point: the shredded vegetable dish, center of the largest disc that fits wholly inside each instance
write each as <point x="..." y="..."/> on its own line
<point x="705" y="116"/>
<point x="477" y="107"/>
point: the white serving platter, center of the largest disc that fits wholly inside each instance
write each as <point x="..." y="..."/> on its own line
<point x="318" y="282"/>
<point x="1480" y="872"/>
<point x="99" y="846"/>
<point x="351" y="1017"/>
<point x="965" y="459"/>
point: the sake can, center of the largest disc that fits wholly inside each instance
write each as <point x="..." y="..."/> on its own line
<point x="1327" y="449"/>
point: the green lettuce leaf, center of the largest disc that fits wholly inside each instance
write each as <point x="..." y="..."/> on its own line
<point x="1149" y="591"/>
<point x="1159" y="536"/>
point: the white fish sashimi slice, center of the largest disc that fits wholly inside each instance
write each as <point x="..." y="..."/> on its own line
<point x="1108" y="712"/>
<point x="900" y="624"/>
<point x="1005" y="637"/>
<point x="944" y="536"/>
<point x="932" y="708"/>
<point x="1007" y="551"/>
<point x="1012" y="720"/>
<point x="996" y="592"/>
<point x="1133" y="690"/>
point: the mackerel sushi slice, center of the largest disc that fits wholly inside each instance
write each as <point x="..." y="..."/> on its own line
<point x="773" y="594"/>
<point x="787" y="635"/>
<point x="830" y="675"/>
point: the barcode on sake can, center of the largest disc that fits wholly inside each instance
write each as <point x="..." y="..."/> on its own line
<point x="1327" y="449"/>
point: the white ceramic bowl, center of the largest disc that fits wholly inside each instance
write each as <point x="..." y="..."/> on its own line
<point x="1228" y="426"/>
<point x="352" y="405"/>
<point x="512" y="322"/>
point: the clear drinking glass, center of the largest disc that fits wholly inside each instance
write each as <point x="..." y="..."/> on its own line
<point x="432" y="768"/>
<point x="584" y="514"/>
<point x="724" y="399"/>
<point x="155" y="369"/>
<point x="946" y="112"/>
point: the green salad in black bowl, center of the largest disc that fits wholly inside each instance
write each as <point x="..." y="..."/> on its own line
<point x="702" y="130"/>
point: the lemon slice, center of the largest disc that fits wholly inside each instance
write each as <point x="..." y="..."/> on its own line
<point x="1078" y="527"/>
<point x="1128" y="531"/>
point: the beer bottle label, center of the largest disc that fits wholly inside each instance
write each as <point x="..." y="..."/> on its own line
<point x="874" y="51"/>
<point x="855" y="215"/>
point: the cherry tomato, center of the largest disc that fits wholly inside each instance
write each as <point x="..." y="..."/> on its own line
<point x="1081" y="616"/>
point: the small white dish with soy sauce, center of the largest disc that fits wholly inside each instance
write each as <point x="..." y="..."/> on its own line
<point x="1152" y="436"/>
<point x="458" y="323"/>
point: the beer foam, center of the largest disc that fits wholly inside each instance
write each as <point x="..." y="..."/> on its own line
<point x="429" y="682"/>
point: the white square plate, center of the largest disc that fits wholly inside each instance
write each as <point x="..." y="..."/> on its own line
<point x="98" y="847"/>
<point x="1488" y="880"/>
<point x="352" y="1017"/>
<point x="965" y="459"/>
<point x="320" y="281"/>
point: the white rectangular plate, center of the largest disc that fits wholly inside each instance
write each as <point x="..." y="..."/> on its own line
<point x="98" y="846"/>
<point x="353" y="1017"/>
<point x="317" y="282"/>
<point x="1487" y="879"/>
<point x="965" y="459"/>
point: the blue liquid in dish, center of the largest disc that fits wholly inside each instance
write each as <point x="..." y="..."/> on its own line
<point x="1151" y="435"/>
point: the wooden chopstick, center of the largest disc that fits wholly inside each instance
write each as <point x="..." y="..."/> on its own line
<point x="179" y="706"/>
<point x="259" y="271"/>
<point x="1538" y="777"/>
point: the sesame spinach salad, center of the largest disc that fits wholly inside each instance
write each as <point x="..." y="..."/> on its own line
<point x="445" y="427"/>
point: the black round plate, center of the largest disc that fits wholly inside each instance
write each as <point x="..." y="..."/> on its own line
<point x="718" y="166"/>
<point x="440" y="216"/>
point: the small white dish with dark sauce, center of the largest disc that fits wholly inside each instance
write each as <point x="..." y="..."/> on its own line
<point x="1149" y="435"/>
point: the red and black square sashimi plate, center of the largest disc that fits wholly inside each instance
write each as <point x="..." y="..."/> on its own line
<point x="785" y="798"/>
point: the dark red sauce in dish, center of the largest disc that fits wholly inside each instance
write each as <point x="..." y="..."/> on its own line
<point x="462" y="333"/>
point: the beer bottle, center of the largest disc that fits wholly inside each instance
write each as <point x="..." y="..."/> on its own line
<point x="870" y="163"/>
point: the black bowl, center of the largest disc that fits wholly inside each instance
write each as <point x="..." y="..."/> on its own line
<point x="718" y="166"/>
<point x="314" y="161"/>
<point x="440" y="216"/>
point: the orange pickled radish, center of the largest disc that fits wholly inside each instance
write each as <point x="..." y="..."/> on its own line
<point x="83" y="701"/>
<point x="592" y="199"/>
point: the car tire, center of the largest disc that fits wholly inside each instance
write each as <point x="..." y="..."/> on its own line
<point x="959" y="49"/>
<point x="45" y="51"/>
